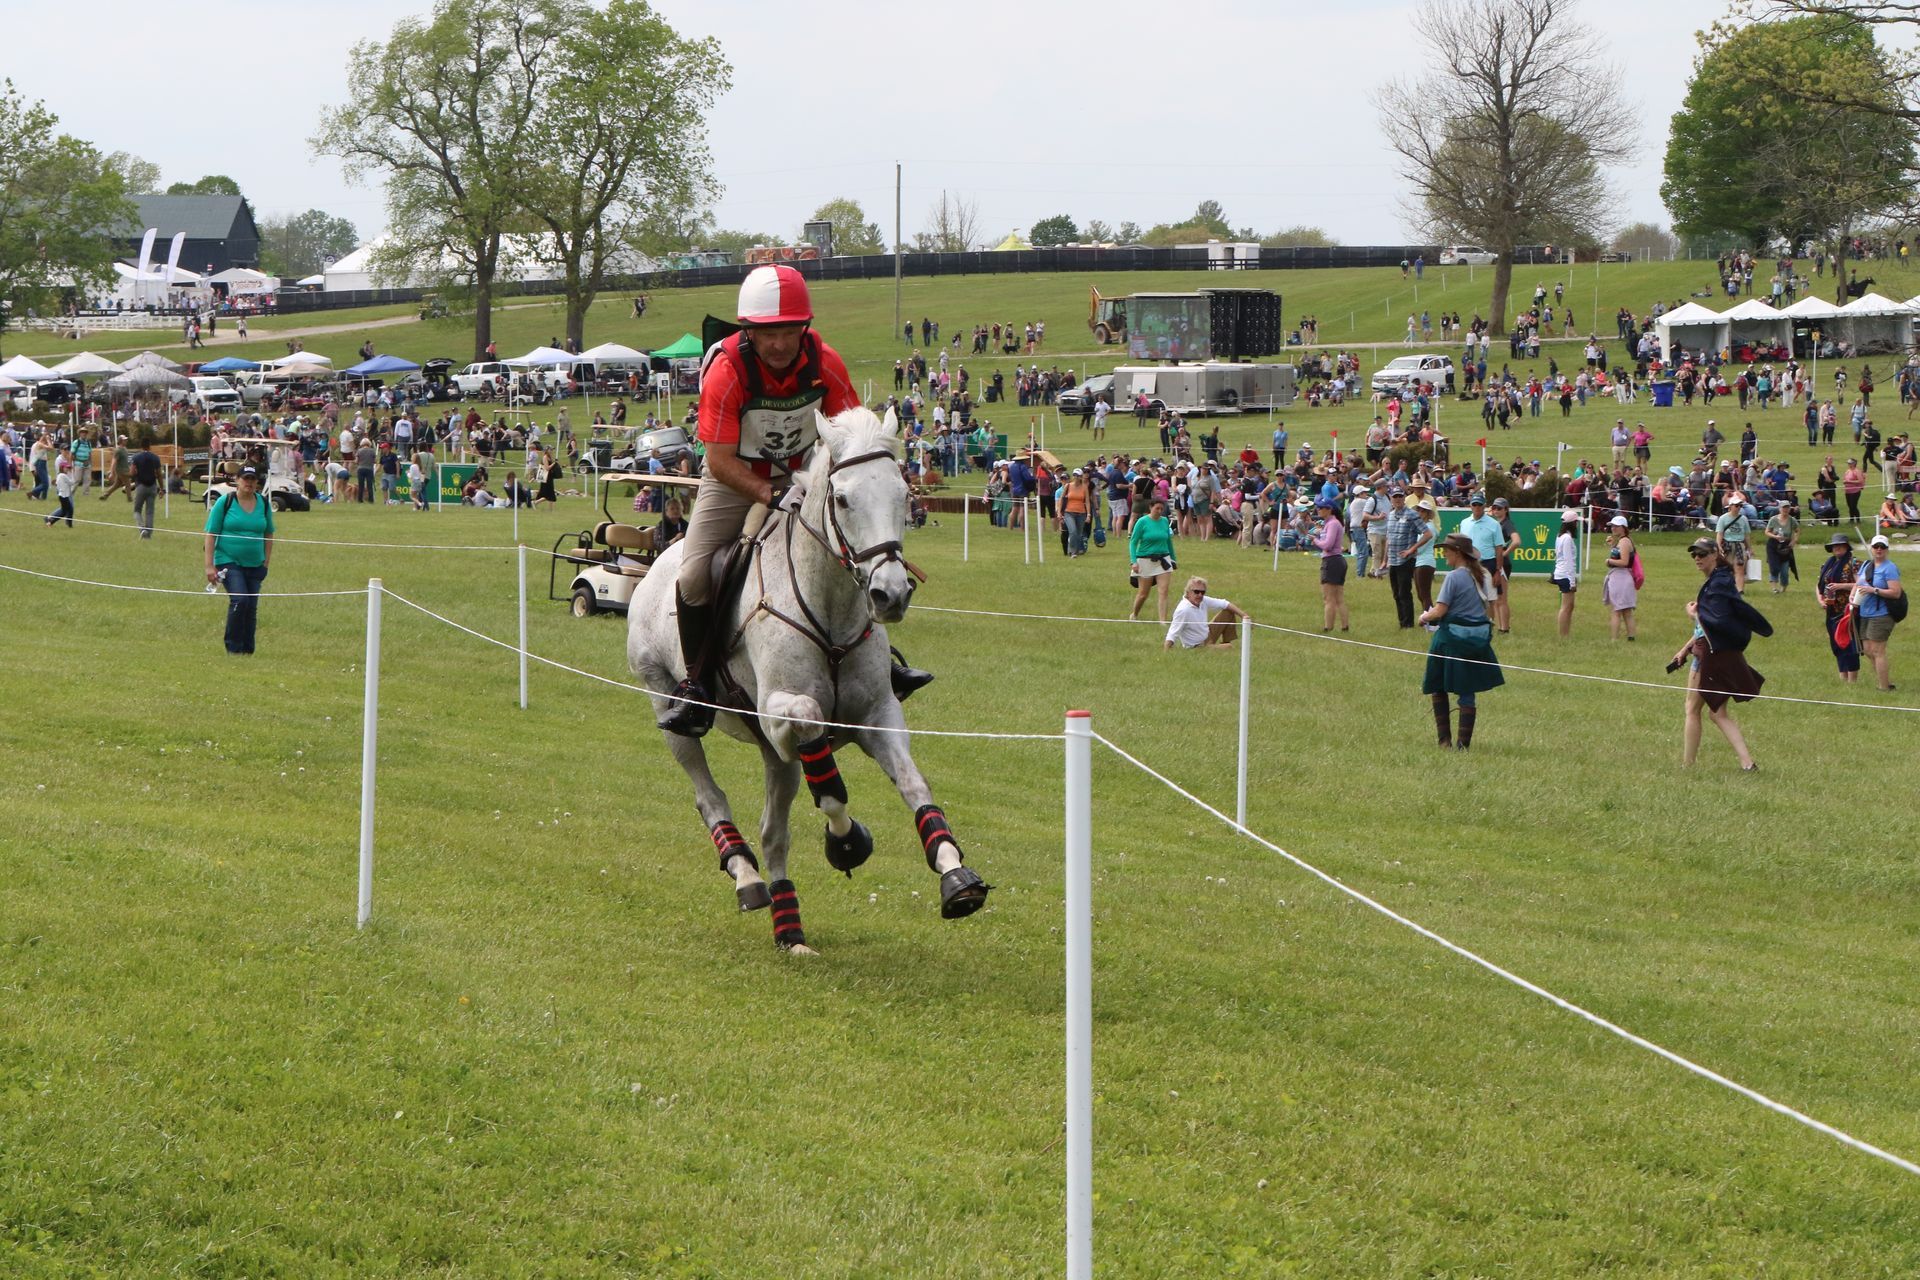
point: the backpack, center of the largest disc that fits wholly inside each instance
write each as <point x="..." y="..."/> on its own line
<point x="1896" y="605"/>
<point x="1639" y="574"/>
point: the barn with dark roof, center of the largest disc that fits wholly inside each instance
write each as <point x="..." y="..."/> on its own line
<point x="220" y="230"/>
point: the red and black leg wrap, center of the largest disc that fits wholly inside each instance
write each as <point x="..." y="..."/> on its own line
<point x="786" y="914"/>
<point x="822" y="773"/>
<point x="932" y="825"/>
<point x="728" y="840"/>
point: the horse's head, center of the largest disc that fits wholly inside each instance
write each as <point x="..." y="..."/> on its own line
<point x="864" y="505"/>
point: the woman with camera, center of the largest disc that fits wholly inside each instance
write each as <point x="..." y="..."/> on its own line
<point x="1150" y="547"/>
<point x="1460" y="657"/>
<point x="1715" y="654"/>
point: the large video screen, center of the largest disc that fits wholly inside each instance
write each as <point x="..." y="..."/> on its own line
<point x="1169" y="328"/>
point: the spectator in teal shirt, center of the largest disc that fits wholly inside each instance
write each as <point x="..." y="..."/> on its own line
<point x="239" y="547"/>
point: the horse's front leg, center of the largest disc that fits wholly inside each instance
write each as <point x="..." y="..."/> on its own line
<point x="962" y="891"/>
<point x="799" y="737"/>
<point x="736" y="858"/>
<point x="783" y="783"/>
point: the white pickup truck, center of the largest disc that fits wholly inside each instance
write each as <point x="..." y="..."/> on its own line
<point x="481" y="379"/>
<point x="207" y="393"/>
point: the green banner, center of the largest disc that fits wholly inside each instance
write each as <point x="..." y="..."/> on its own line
<point x="1539" y="529"/>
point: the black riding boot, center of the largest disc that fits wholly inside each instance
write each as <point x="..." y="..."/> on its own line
<point x="688" y="719"/>
<point x="905" y="678"/>
<point x="1467" y="715"/>
<point x="1442" y="719"/>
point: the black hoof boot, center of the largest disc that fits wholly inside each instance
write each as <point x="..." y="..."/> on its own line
<point x="907" y="679"/>
<point x="846" y="852"/>
<point x="754" y="897"/>
<point x="962" y="892"/>
<point x="688" y="719"/>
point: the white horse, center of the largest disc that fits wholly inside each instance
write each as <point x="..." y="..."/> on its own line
<point x="806" y="643"/>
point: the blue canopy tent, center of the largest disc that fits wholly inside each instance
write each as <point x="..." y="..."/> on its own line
<point x="229" y="364"/>
<point x="382" y="365"/>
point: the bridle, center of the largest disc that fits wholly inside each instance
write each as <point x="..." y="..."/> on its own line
<point x="853" y="561"/>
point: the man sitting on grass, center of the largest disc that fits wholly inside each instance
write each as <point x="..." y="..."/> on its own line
<point x="1191" y="629"/>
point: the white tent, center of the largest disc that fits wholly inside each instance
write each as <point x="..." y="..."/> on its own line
<point x="1875" y="323"/>
<point x="1693" y="327"/>
<point x="1810" y="309"/>
<point x="153" y="359"/>
<point x="8" y="384"/>
<point x="87" y="365"/>
<point x="612" y="353"/>
<point x="312" y="282"/>
<point x="1756" y="322"/>
<point x="27" y="369"/>
<point x="298" y="357"/>
<point x="245" y="280"/>
<point x="545" y="358"/>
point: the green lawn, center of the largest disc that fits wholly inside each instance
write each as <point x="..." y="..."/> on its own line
<point x="561" y="1051"/>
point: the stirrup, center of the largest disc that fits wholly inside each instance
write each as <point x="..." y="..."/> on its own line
<point x="687" y="718"/>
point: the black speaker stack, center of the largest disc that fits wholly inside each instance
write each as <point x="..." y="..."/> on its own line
<point x="1246" y="323"/>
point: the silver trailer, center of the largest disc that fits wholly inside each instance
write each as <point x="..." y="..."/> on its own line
<point x="1198" y="389"/>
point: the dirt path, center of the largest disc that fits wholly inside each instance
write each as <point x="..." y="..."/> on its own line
<point x="227" y="338"/>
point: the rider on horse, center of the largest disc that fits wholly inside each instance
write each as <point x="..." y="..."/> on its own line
<point x="760" y="389"/>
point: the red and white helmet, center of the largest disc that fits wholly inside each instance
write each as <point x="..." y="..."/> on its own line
<point x="774" y="295"/>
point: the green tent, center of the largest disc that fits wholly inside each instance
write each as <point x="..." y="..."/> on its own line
<point x="687" y="346"/>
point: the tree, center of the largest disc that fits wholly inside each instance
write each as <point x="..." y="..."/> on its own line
<point x="296" y="245"/>
<point x="214" y="184"/>
<point x="1504" y="140"/>
<point x="1299" y="238"/>
<point x="617" y="143"/>
<point x="1791" y="129"/>
<point x="61" y="203"/>
<point x="1059" y="229"/>
<point x="1128" y="233"/>
<point x="1161" y="235"/>
<point x="852" y="233"/>
<point x="953" y="226"/>
<point x="1097" y="232"/>
<point x="1210" y="215"/>
<point x="443" y="111"/>
<point x="139" y="176"/>
<point x="736" y="242"/>
<point x="1646" y="239"/>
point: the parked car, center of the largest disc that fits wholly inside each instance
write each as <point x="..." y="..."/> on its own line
<point x="481" y="381"/>
<point x="59" y="391"/>
<point x="207" y="393"/>
<point x="669" y="444"/>
<point x="1460" y="255"/>
<point x="1403" y="372"/>
<point x="1078" y="399"/>
<point x="261" y="384"/>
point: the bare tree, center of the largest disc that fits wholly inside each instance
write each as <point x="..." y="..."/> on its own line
<point x="1504" y="139"/>
<point x="953" y="225"/>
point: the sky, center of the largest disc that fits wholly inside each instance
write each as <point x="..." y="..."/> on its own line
<point x="1116" y="111"/>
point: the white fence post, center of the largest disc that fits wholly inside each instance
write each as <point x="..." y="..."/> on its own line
<point x="1246" y="681"/>
<point x="523" y="626"/>
<point x="369" y="737"/>
<point x="1026" y="533"/>
<point x="966" y="528"/>
<point x="1040" y="534"/>
<point x="1079" y="931"/>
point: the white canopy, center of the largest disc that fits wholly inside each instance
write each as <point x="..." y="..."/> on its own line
<point x="544" y="357"/>
<point x="146" y="378"/>
<point x="1759" y="323"/>
<point x="151" y="359"/>
<point x="87" y="364"/>
<point x="302" y="368"/>
<point x="1812" y="308"/>
<point x="298" y="357"/>
<point x="244" y="280"/>
<point x="614" y="353"/>
<point x="1691" y="326"/>
<point x="1874" y="323"/>
<point x="27" y="369"/>
<point x="311" y="282"/>
<point x="8" y="384"/>
<point x="181" y="276"/>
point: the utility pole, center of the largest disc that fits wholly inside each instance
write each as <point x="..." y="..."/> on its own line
<point x="896" y="246"/>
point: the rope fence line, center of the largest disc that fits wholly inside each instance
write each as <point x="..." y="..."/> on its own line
<point x="1422" y="653"/>
<point x="178" y="591"/>
<point x="1705" y="1073"/>
<point x="309" y="542"/>
<point x="714" y="706"/>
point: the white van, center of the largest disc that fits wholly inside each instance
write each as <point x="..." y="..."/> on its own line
<point x="1460" y="255"/>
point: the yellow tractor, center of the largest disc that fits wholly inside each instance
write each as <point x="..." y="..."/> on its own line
<point x="1107" y="317"/>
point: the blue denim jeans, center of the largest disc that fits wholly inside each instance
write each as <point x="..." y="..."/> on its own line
<point x="243" y="586"/>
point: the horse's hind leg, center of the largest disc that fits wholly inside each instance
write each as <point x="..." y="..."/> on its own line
<point x="962" y="891"/>
<point x="783" y="783"/>
<point x="736" y="857"/>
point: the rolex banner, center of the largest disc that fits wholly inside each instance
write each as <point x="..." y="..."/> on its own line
<point x="1538" y="528"/>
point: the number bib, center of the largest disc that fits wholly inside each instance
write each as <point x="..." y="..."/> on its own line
<point x="776" y="429"/>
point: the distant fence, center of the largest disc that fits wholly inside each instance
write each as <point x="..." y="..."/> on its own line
<point x="879" y="266"/>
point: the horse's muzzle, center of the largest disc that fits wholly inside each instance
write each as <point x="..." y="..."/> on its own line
<point x="889" y="591"/>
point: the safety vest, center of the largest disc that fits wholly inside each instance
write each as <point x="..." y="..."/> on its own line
<point x="777" y="429"/>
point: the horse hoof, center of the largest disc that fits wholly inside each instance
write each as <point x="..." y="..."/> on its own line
<point x="962" y="892"/>
<point x="800" y="949"/>
<point x="844" y="853"/>
<point x="754" y="897"/>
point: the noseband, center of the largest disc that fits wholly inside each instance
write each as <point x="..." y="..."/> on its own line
<point x="840" y="548"/>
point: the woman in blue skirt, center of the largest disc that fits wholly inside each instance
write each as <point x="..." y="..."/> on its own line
<point x="1460" y="659"/>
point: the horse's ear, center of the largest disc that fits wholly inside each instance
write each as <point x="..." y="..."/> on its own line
<point x="826" y="428"/>
<point x="891" y="422"/>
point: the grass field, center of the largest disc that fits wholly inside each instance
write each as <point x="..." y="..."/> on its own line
<point x="560" y="1051"/>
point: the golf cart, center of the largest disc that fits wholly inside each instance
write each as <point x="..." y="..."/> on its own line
<point x="433" y="308"/>
<point x="605" y="563"/>
<point x="281" y="482"/>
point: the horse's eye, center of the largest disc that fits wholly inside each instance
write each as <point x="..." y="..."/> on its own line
<point x="841" y="500"/>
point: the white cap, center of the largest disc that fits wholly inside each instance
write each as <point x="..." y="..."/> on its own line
<point x="1618" y="522"/>
<point x="1879" y="540"/>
